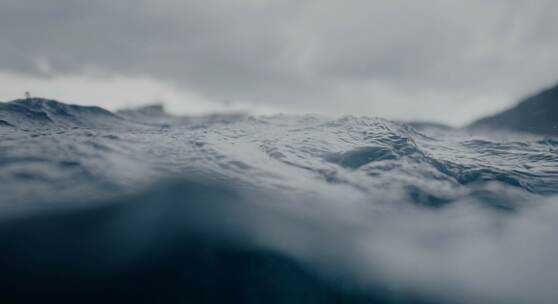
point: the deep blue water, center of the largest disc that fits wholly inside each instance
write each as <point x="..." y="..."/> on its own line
<point x="279" y="209"/>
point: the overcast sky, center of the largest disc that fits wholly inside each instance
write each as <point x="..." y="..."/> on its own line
<point x="444" y="60"/>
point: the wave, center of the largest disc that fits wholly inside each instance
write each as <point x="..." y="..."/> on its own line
<point x="42" y="113"/>
<point x="148" y="206"/>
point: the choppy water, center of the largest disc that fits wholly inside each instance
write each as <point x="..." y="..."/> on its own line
<point x="276" y="209"/>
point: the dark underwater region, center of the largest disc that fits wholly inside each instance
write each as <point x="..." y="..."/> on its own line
<point x="142" y="206"/>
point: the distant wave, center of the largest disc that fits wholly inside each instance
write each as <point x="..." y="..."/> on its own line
<point x="36" y="112"/>
<point x="535" y="114"/>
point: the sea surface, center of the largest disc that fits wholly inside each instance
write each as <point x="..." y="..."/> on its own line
<point x="138" y="204"/>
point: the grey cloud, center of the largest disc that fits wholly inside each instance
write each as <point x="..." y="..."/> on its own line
<point x="305" y="55"/>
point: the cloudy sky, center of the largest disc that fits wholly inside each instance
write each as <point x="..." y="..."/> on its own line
<point x="443" y="60"/>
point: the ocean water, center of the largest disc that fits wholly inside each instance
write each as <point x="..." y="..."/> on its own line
<point x="142" y="205"/>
